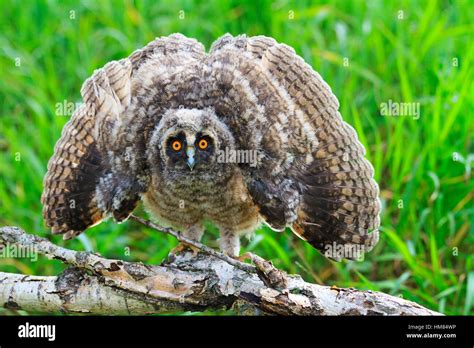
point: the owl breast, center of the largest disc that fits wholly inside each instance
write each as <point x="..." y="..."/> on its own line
<point x="226" y="203"/>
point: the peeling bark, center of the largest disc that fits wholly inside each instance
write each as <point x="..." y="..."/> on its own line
<point x="96" y="285"/>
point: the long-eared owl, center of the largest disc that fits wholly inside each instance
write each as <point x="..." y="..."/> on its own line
<point x="245" y="134"/>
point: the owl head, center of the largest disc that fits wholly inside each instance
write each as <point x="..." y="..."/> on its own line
<point x="187" y="142"/>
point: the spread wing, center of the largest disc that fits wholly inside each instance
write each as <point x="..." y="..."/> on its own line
<point x="313" y="175"/>
<point x="97" y="169"/>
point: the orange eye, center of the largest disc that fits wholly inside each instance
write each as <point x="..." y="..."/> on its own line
<point x="176" y="145"/>
<point x="203" y="144"/>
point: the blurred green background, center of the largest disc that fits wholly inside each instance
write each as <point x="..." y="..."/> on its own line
<point x="368" y="52"/>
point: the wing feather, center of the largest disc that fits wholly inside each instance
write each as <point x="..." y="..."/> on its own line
<point x="88" y="176"/>
<point x="327" y="182"/>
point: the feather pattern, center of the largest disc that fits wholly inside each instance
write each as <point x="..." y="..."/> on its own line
<point x="249" y="94"/>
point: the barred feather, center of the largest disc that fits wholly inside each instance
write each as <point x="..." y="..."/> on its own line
<point x="254" y="94"/>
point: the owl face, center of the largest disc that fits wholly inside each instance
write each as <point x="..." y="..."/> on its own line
<point x="185" y="147"/>
<point x="186" y="143"/>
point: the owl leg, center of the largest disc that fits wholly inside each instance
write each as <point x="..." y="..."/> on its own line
<point x="230" y="242"/>
<point x="194" y="232"/>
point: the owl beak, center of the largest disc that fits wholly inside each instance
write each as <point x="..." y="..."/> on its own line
<point x="190" y="154"/>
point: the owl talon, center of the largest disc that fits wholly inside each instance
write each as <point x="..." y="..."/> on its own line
<point x="241" y="258"/>
<point x="244" y="257"/>
<point x="194" y="250"/>
<point x="178" y="249"/>
<point x="184" y="247"/>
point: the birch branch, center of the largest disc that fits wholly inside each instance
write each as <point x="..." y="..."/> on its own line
<point x="208" y="281"/>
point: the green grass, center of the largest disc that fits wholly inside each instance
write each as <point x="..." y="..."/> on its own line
<point x="426" y="249"/>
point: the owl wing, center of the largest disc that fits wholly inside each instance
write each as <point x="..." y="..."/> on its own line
<point x="313" y="175"/>
<point x="95" y="171"/>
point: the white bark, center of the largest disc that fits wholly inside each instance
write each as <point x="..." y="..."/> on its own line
<point x="98" y="285"/>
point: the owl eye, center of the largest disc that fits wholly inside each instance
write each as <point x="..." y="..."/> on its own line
<point x="176" y="145"/>
<point x="203" y="144"/>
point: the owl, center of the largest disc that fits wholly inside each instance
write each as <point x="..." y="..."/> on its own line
<point x="244" y="135"/>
